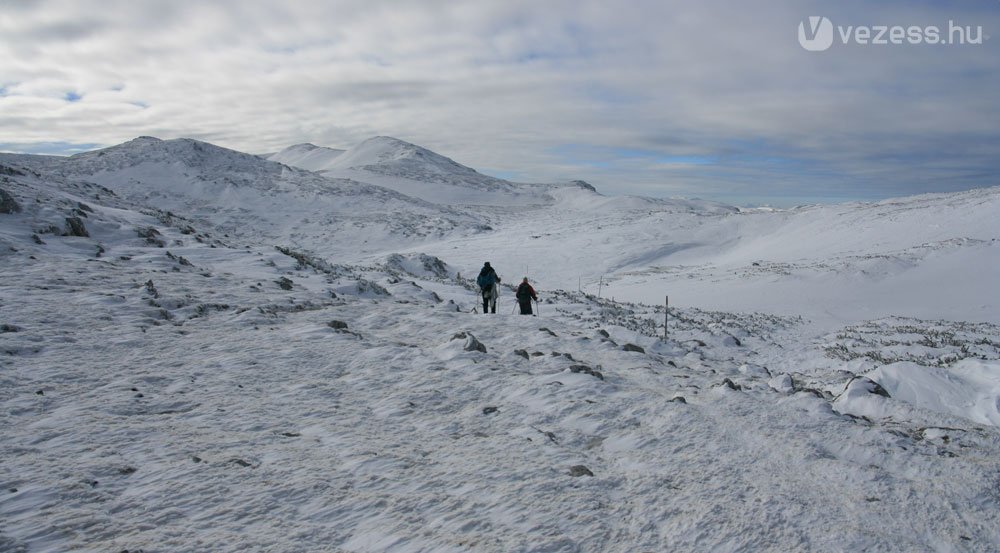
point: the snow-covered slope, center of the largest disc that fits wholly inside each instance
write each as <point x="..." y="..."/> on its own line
<point x="251" y="199"/>
<point x="927" y="256"/>
<point x="166" y="387"/>
<point x="393" y="157"/>
<point x="415" y="171"/>
<point x="307" y="156"/>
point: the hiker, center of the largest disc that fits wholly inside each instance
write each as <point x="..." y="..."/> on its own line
<point x="487" y="281"/>
<point x="525" y="293"/>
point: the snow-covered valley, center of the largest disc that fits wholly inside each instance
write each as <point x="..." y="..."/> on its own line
<point x="204" y="350"/>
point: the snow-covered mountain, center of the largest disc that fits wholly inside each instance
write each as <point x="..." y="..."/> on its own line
<point x="249" y="199"/>
<point x="415" y="171"/>
<point x="200" y="351"/>
<point x="306" y="156"/>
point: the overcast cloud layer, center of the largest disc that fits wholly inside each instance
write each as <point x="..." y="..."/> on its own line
<point x="710" y="99"/>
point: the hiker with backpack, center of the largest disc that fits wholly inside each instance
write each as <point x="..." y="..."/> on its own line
<point x="487" y="281"/>
<point x="525" y="293"/>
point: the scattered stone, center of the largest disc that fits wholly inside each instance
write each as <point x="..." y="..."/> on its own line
<point x="291" y="434"/>
<point x="75" y="227"/>
<point x="125" y="471"/>
<point x="8" y="204"/>
<point x="580" y="470"/>
<point x="586" y="370"/>
<point x="337" y="325"/>
<point x="731" y="385"/>
<point x="40" y="392"/>
<point x="603" y="332"/>
<point x="537" y="354"/>
<point x="38" y="240"/>
<point x="84" y="207"/>
<point x="4" y="170"/>
<point x="471" y="343"/>
<point x="490" y="410"/>
<point x="678" y="399"/>
<point x="284" y="283"/>
<point x="240" y="462"/>
<point x="12" y="490"/>
<point x="543" y="329"/>
<point x="9" y="328"/>
<point x="196" y="459"/>
<point x="521" y="352"/>
<point x="818" y="393"/>
<point x="633" y="347"/>
<point x="151" y="289"/>
<point x="867" y="384"/>
<point x="731" y="341"/>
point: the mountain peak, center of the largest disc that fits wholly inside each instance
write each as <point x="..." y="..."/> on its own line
<point x="147" y="149"/>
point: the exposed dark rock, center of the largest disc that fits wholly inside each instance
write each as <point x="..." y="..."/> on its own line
<point x="586" y="370"/>
<point x="521" y="352"/>
<point x="4" y="170"/>
<point x="471" y="343"/>
<point x="38" y="240"/>
<point x="868" y="384"/>
<point x="490" y="410"/>
<point x="151" y="235"/>
<point x="633" y="347"/>
<point x="580" y="470"/>
<point x="8" y="204"/>
<point x="284" y="283"/>
<point x="240" y="462"/>
<point x="678" y="399"/>
<point x="731" y="341"/>
<point x="603" y="332"/>
<point x="9" y="328"/>
<point x="75" y="227"/>
<point x="151" y="289"/>
<point x="127" y="470"/>
<point x="543" y="329"/>
<point x="537" y="354"/>
<point x="337" y="325"/>
<point x="730" y="384"/>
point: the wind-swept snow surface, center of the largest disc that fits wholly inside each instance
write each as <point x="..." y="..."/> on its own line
<point x="172" y="382"/>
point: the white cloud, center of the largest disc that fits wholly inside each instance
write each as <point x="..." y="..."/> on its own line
<point x="506" y="85"/>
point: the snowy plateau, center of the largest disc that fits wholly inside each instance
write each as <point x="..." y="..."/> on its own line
<point x="207" y="350"/>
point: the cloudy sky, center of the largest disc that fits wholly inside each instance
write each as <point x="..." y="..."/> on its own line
<point x="699" y="98"/>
